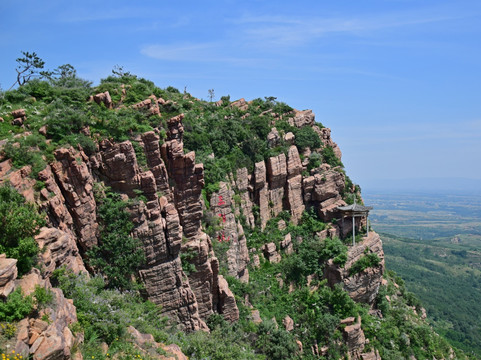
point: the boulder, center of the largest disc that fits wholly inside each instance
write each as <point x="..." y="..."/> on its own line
<point x="8" y="274"/>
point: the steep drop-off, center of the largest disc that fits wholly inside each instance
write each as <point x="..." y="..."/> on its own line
<point x="213" y="231"/>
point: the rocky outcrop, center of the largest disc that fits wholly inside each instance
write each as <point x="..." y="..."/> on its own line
<point x="276" y="176"/>
<point x="323" y="191"/>
<point x="363" y="286"/>
<point x="45" y="334"/>
<point x="76" y="184"/>
<point x="353" y="337"/>
<point x="302" y="118"/>
<point x="245" y="190"/>
<point x="261" y="193"/>
<point x="57" y="249"/>
<point x="270" y="253"/>
<point x="103" y="98"/>
<point x="146" y="344"/>
<point x="157" y="224"/>
<point x="294" y="185"/>
<point x="230" y="231"/>
<point x="8" y="274"/>
<point x="325" y="135"/>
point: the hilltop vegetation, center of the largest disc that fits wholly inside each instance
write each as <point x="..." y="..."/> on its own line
<point x="66" y="111"/>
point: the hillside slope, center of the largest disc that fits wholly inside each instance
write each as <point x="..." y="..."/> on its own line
<point x="171" y="220"/>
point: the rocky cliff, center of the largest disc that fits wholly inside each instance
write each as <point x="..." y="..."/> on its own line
<point x="189" y="231"/>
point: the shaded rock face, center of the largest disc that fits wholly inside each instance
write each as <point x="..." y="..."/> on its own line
<point x="188" y="180"/>
<point x="231" y="231"/>
<point x="364" y="286"/>
<point x="323" y="191"/>
<point x="76" y="184"/>
<point x="8" y="274"/>
<point x="157" y="225"/>
<point x="57" y="249"/>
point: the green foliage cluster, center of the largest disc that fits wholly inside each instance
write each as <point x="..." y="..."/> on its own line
<point x="401" y="334"/>
<point x="366" y="261"/>
<point x="19" y="223"/>
<point x="104" y="314"/>
<point x="440" y="277"/>
<point x="118" y="254"/>
<point x="16" y="307"/>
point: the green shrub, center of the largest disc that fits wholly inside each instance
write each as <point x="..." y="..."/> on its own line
<point x="366" y="261"/>
<point x="118" y="254"/>
<point x="19" y="222"/>
<point x="330" y="158"/>
<point x="16" y="307"/>
<point x="105" y="314"/>
<point x="307" y="137"/>
<point x="42" y="296"/>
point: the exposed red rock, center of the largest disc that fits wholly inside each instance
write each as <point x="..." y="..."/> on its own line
<point x="104" y="98"/>
<point x="76" y="184"/>
<point x="364" y="286"/>
<point x="8" y="274"/>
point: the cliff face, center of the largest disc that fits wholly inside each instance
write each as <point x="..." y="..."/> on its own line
<point x="169" y="222"/>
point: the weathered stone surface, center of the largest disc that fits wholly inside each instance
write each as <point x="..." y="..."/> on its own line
<point x="276" y="175"/>
<point x="372" y="355"/>
<point x="289" y="138"/>
<point x="294" y="166"/>
<point x="221" y="204"/>
<point x="19" y="113"/>
<point x="354" y="339"/>
<point x="286" y="244"/>
<point x="189" y="181"/>
<point x="76" y="184"/>
<point x="323" y="191"/>
<point x="117" y="164"/>
<point x="21" y="181"/>
<point x="288" y="323"/>
<point x="156" y="164"/>
<point x="104" y="98"/>
<point x="58" y="248"/>
<point x="364" y="286"/>
<point x="294" y="198"/>
<point x="53" y="203"/>
<point x="241" y="104"/>
<point x="262" y="193"/>
<point x="325" y="135"/>
<point x="8" y="274"/>
<point x="302" y="118"/>
<point x="227" y="305"/>
<point x="270" y="252"/>
<point x="203" y="281"/>
<point x="146" y="344"/>
<point x="44" y="340"/>
<point x="273" y="138"/>
<point x="242" y="184"/>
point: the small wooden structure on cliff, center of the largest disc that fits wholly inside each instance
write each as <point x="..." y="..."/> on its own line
<point x="353" y="211"/>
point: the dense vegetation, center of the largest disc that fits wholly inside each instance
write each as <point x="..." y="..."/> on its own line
<point x="442" y="275"/>
<point x="225" y="138"/>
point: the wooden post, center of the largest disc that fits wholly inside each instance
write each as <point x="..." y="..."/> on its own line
<point x="353" y="230"/>
<point x="367" y="225"/>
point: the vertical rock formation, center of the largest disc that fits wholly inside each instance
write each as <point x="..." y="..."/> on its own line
<point x="188" y="180"/>
<point x="364" y="286"/>
<point x="294" y="184"/>
<point x="232" y="232"/>
<point x="76" y="184"/>
<point x="157" y="225"/>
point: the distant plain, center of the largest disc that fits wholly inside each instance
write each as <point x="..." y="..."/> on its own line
<point x="434" y="242"/>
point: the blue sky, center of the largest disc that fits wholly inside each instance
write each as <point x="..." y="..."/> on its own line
<point x="398" y="81"/>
